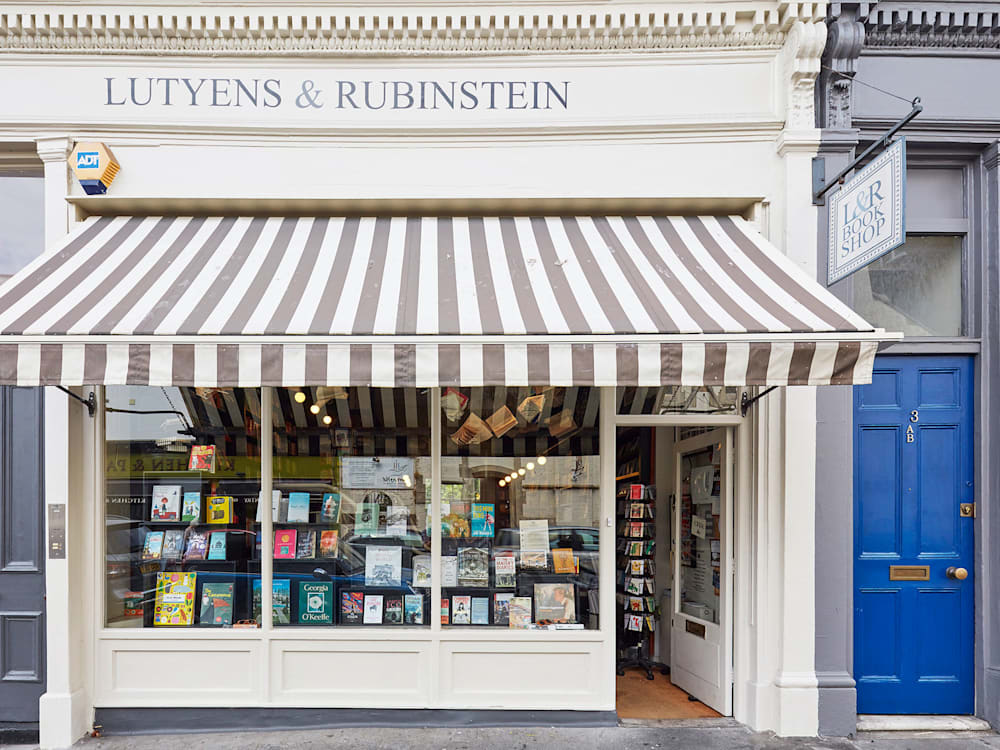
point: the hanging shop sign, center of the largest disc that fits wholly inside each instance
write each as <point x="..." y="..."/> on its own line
<point x="867" y="214"/>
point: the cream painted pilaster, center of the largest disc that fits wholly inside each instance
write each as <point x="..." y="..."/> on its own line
<point x="65" y="710"/>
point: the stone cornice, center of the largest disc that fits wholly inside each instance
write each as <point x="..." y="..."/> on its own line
<point x="284" y="31"/>
<point x="932" y="25"/>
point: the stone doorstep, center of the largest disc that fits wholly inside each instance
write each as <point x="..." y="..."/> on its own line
<point x="920" y="723"/>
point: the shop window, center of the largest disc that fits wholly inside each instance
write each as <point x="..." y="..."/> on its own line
<point x="700" y="550"/>
<point x="351" y="503"/>
<point x="678" y="399"/>
<point x="22" y="216"/>
<point x="182" y="472"/>
<point x="915" y="289"/>
<point x="520" y="506"/>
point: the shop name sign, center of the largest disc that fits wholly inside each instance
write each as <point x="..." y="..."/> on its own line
<point x="867" y="214"/>
<point x="335" y="94"/>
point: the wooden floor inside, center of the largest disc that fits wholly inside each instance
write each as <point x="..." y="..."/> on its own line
<point x="639" y="698"/>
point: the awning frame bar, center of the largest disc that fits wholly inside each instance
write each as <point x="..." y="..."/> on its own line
<point x="90" y="402"/>
<point x="746" y="402"/>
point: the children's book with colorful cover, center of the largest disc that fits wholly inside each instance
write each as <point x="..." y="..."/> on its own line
<point x="152" y="547"/>
<point x="174" y="604"/>
<point x="216" y="605"/>
<point x="217" y="545"/>
<point x="202" y="458"/>
<point x="132" y="604"/>
<point x="305" y="548"/>
<point x="393" y="610"/>
<point x="298" y="507"/>
<point x="316" y="602"/>
<point x="191" y="509"/>
<point x="352" y="605"/>
<point x="501" y="609"/>
<point x="284" y="544"/>
<point x="373" y="609"/>
<point x="166" y="503"/>
<point x="173" y="544"/>
<point x="461" y="610"/>
<point x="197" y="545"/>
<point x="330" y="509"/>
<point x="219" y="509"/>
<point x="520" y="612"/>
<point x="483" y="519"/>
<point x="328" y="542"/>
<point x="480" y="610"/>
<point x="413" y="609"/>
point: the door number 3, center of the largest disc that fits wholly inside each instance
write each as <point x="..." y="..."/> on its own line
<point x="914" y="417"/>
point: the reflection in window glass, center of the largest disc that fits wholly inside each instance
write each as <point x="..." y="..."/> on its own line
<point x="678" y="399"/>
<point x="22" y="214"/>
<point x="520" y="503"/>
<point x="915" y="289"/>
<point x="351" y="500"/>
<point x="183" y="480"/>
<point x="699" y="533"/>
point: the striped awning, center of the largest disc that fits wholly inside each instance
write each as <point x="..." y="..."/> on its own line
<point x="226" y="301"/>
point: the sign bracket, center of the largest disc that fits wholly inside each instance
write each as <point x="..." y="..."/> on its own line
<point x="820" y="189"/>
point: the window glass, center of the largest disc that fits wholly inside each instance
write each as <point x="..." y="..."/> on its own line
<point x="182" y="484"/>
<point x="520" y="503"/>
<point x="351" y="500"/>
<point x="22" y="216"/>
<point x="678" y="399"/>
<point x="915" y="289"/>
<point x="699" y="533"/>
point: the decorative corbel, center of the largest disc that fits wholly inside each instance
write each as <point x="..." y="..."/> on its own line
<point x="845" y="38"/>
<point x="803" y="50"/>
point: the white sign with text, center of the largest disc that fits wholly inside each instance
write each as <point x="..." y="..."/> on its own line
<point x="867" y="214"/>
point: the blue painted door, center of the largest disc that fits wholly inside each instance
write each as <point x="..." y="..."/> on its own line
<point x="913" y="469"/>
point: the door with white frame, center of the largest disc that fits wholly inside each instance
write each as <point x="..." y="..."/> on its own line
<point x="701" y="642"/>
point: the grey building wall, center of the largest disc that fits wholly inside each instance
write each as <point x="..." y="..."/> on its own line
<point x="948" y="54"/>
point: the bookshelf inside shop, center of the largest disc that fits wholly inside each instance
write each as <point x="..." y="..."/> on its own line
<point x="638" y="608"/>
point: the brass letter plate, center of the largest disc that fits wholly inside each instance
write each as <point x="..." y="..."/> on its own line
<point x="909" y="572"/>
<point x="695" y="628"/>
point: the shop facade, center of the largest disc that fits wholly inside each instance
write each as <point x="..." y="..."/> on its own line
<point x="939" y="289"/>
<point x="407" y="220"/>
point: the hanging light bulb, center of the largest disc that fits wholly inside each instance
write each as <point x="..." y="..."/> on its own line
<point x="522" y="472"/>
<point x="314" y="408"/>
<point x="327" y="419"/>
<point x="542" y="460"/>
<point x="530" y="466"/>
<point x="502" y="482"/>
<point x="300" y="397"/>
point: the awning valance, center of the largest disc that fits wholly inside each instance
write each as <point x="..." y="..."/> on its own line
<point x="424" y="301"/>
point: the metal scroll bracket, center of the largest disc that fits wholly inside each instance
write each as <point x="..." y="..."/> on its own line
<point x="821" y="188"/>
<point x="90" y="402"/>
<point x="746" y="402"/>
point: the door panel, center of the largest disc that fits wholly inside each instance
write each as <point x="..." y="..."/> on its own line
<point x="22" y="555"/>
<point x="913" y="467"/>
<point x="700" y="632"/>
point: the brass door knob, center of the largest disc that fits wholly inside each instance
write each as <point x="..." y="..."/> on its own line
<point x="959" y="574"/>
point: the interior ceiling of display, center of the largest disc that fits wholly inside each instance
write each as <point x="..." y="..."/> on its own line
<point x="425" y="301"/>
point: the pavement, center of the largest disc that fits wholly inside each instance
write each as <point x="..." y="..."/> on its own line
<point x="723" y="734"/>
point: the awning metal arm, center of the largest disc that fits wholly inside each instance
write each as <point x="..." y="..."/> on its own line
<point x="90" y="402"/>
<point x="746" y="402"/>
<point x="820" y="188"/>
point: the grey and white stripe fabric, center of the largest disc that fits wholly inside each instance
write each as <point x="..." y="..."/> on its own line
<point x="424" y="301"/>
